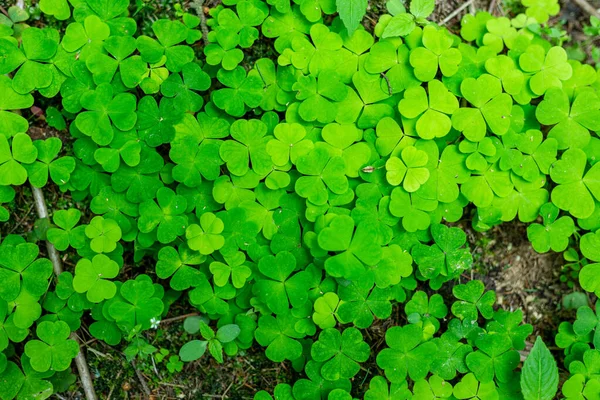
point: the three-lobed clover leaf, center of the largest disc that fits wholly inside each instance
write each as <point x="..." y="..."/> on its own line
<point x="68" y="233"/>
<point x="281" y="288"/>
<point x="234" y="268"/>
<point x="104" y="234"/>
<point x="492" y="108"/>
<point x="437" y="51"/>
<point x="431" y="109"/>
<point x="407" y="354"/>
<point x="105" y="110"/>
<point x="13" y="155"/>
<point x="11" y="123"/>
<point x="447" y="256"/>
<point x="572" y="120"/>
<point x="240" y="91"/>
<point x="576" y="189"/>
<point x="410" y="169"/>
<point x="554" y="233"/>
<point x="206" y="237"/>
<point x="138" y="303"/>
<point x="92" y="278"/>
<point x="357" y="247"/>
<point x="179" y="265"/>
<point x="54" y="351"/>
<point x="495" y="357"/>
<point x="279" y="335"/>
<point x="22" y="272"/>
<point x="248" y="150"/>
<point x="321" y="173"/>
<point x="167" y="216"/>
<point x="549" y="69"/>
<point x="470" y="388"/>
<point x="473" y="300"/>
<point x="341" y="353"/>
<point x="169" y="34"/>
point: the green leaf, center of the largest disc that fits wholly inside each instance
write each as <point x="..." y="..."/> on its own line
<point x="351" y="12"/>
<point x="539" y="377"/>
<point x="54" y="350"/>
<point x="422" y="8"/>
<point x="341" y="353"/>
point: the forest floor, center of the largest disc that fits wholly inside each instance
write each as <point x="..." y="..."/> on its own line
<point x="504" y="260"/>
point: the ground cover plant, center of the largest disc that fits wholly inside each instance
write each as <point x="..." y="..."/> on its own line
<point x="294" y="200"/>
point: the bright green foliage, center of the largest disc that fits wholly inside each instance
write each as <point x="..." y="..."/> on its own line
<point x="341" y="353"/>
<point x="554" y="234"/>
<point x="294" y="200"/>
<point x="473" y="301"/>
<point x="539" y="379"/>
<point x="205" y="237"/>
<point x="54" y="350"/>
<point x="92" y="277"/>
<point x="407" y="354"/>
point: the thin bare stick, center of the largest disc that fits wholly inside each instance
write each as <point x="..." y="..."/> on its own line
<point x="492" y="6"/>
<point x="198" y="5"/>
<point x="587" y="7"/>
<point x="456" y="12"/>
<point x="178" y="318"/>
<point x="141" y="378"/>
<point x="80" y="362"/>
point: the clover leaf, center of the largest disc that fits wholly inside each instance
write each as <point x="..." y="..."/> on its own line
<point x="361" y="303"/>
<point x="104" y="233"/>
<point x="289" y="145"/>
<point x="21" y="150"/>
<point x="54" y="350"/>
<point x="572" y="121"/>
<point x="576" y="189"/>
<point x="92" y="277"/>
<point x="11" y="123"/>
<point x="248" y="148"/>
<point x="470" y="388"/>
<point x="225" y="51"/>
<point x="357" y="247"/>
<point x="58" y="169"/>
<point x="166" y="215"/>
<point x="279" y="335"/>
<point x="555" y="232"/>
<point x="21" y="271"/>
<point x="378" y="389"/>
<point x="320" y="96"/>
<point x="138" y="303"/>
<point x="86" y="38"/>
<point x="341" y="353"/>
<point x="492" y="108"/>
<point x="58" y="8"/>
<point x="437" y="51"/>
<point x="104" y="112"/>
<point x="282" y="288"/>
<point x="179" y="265"/>
<point x="411" y="170"/>
<point x="494" y="357"/>
<point x="431" y="111"/>
<point x="473" y="300"/>
<point x="321" y="173"/>
<point x="206" y="237"/>
<point x="182" y="88"/>
<point x="169" y="35"/>
<point x="549" y="69"/>
<point x="240" y="91"/>
<point x="235" y="268"/>
<point x="406" y="354"/>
